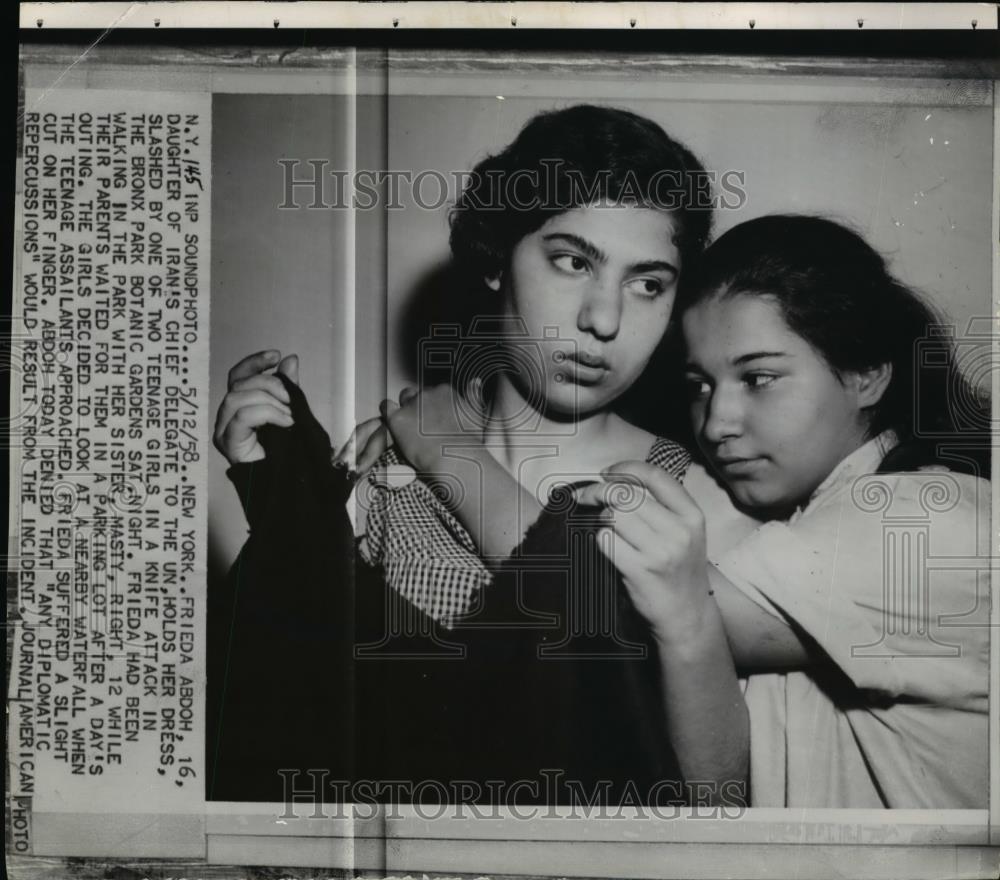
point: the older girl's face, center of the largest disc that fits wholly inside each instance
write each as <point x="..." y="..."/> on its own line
<point x="594" y="288"/>
<point x="768" y="411"/>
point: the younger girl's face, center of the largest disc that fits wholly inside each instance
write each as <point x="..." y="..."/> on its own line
<point x="594" y="287"/>
<point x="768" y="411"/>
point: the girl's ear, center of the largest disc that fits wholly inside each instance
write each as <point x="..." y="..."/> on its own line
<point x="493" y="282"/>
<point x="872" y="384"/>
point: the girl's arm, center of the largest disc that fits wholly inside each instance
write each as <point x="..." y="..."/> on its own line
<point x="656" y="539"/>
<point x="757" y="639"/>
<point x="707" y="720"/>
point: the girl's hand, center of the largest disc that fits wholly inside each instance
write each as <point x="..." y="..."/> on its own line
<point x="371" y="437"/>
<point x="254" y="398"/>
<point x="422" y="424"/>
<point x="656" y="539"/>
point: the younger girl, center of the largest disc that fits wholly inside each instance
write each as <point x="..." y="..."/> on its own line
<point x="857" y="614"/>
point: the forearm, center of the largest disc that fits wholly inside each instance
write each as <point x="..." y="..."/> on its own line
<point x="707" y="719"/>
<point x="757" y="638"/>
<point x="495" y="509"/>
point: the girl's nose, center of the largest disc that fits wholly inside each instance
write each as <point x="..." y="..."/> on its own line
<point x="601" y="310"/>
<point x="723" y="415"/>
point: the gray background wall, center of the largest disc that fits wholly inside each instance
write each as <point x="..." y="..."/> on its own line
<point x="276" y="274"/>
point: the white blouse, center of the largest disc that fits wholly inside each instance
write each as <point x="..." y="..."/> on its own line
<point x="889" y="575"/>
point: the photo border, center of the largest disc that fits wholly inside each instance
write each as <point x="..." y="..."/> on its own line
<point x="810" y="838"/>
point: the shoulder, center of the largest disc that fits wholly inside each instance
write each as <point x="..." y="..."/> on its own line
<point x="952" y="511"/>
<point x="935" y="494"/>
<point x="394" y="501"/>
<point x="669" y="455"/>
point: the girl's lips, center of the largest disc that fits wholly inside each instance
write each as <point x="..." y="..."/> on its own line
<point x="583" y="374"/>
<point x="739" y="466"/>
<point x="586" y="359"/>
<point x="589" y="360"/>
<point x="581" y="368"/>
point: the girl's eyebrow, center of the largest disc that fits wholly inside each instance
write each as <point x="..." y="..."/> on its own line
<point x="654" y="266"/>
<point x="758" y="355"/>
<point x="695" y="367"/>
<point x="589" y="248"/>
<point x="598" y="256"/>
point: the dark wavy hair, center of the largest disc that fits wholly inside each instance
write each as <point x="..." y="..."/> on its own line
<point x="563" y="159"/>
<point x="836" y="292"/>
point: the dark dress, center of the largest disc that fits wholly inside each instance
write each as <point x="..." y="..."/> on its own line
<point x="315" y="664"/>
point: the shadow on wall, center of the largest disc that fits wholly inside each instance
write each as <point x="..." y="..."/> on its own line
<point x="442" y="305"/>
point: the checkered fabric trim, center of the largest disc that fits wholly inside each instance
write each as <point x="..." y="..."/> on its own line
<point x="670" y="456"/>
<point x="426" y="553"/>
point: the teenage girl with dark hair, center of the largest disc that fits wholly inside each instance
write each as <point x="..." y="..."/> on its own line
<point x="582" y="226"/>
<point x="830" y="408"/>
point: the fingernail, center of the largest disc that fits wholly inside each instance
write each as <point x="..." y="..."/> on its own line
<point x="340" y="464"/>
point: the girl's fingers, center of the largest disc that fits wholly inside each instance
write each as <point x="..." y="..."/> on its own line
<point x="632" y="526"/>
<point x="348" y="453"/>
<point x="407" y="394"/>
<point x="249" y="418"/>
<point x="367" y="442"/>
<point x="253" y="364"/>
<point x="633" y="499"/>
<point x="386" y="408"/>
<point x="640" y="533"/>
<point x="289" y="367"/>
<point x="637" y="512"/>
<point x="236" y="401"/>
<point x="620" y="552"/>
<point x="264" y="382"/>
<point x="619" y="493"/>
<point x="664" y="488"/>
<point x="377" y="443"/>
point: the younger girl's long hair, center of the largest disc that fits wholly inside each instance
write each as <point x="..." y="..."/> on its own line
<point x="836" y="292"/>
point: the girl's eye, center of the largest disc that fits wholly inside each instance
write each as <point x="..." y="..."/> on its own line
<point x="646" y="287"/>
<point x="697" y="387"/>
<point x="571" y="263"/>
<point x="759" y="380"/>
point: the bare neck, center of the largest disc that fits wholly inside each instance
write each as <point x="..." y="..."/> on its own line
<point x="524" y="440"/>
